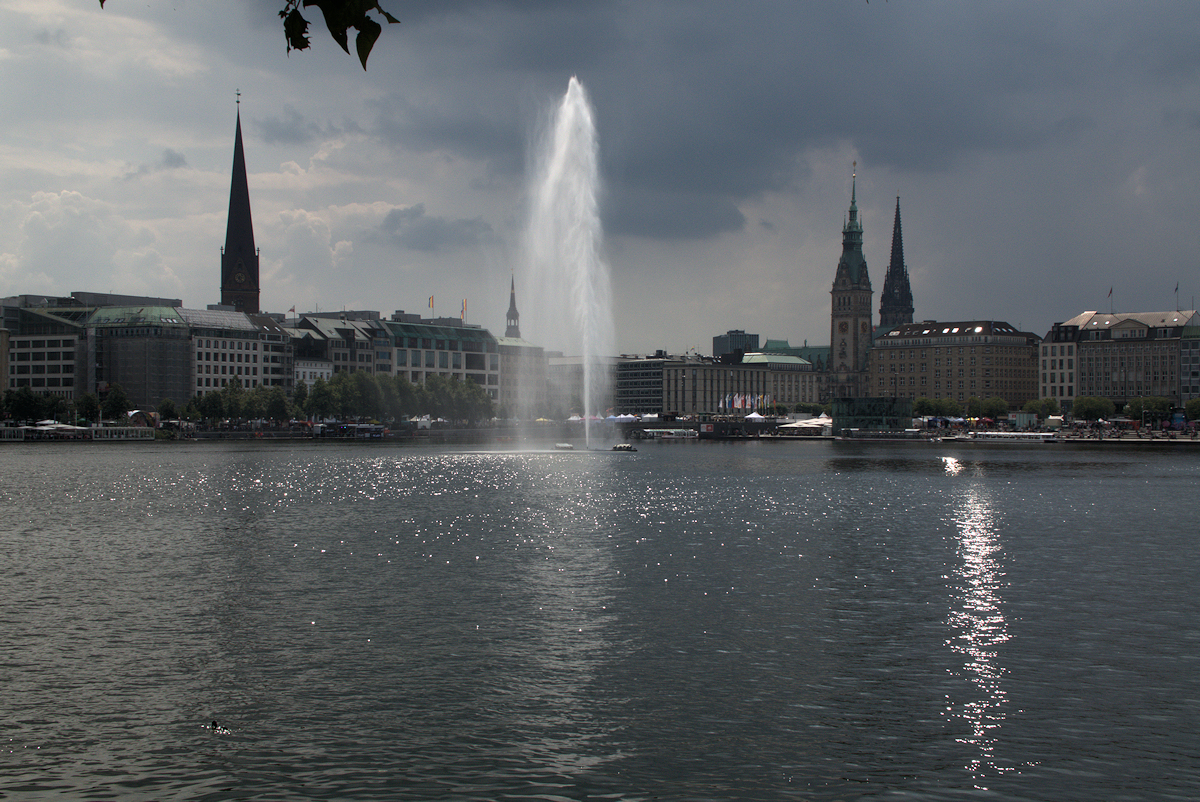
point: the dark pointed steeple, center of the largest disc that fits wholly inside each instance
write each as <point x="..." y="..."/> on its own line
<point x="513" y="317"/>
<point x="239" y="257"/>
<point x="896" y="301"/>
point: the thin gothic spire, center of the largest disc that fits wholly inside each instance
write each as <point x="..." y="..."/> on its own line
<point x="514" y="317"/>
<point x="896" y="301"/>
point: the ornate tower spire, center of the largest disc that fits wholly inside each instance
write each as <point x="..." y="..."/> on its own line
<point x="850" y="319"/>
<point x="239" y="257"/>
<point x="896" y="301"/>
<point x="513" y="317"/>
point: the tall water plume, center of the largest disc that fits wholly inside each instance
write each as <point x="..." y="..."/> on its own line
<point x="568" y="277"/>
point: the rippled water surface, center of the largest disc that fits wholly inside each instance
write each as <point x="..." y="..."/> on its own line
<point x="818" y="621"/>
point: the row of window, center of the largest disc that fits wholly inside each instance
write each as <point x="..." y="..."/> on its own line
<point x="44" y="356"/>
<point x="208" y="381"/>
<point x="212" y="369"/>
<point x="23" y="370"/>
<point x="237" y="345"/>
<point x="65" y="381"/>
<point x="221" y="356"/>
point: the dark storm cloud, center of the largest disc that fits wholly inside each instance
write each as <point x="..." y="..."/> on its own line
<point x="670" y="216"/>
<point x="55" y="38"/>
<point x="293" y="128"/>
<point x="411" y="228"/>
<point x="170" y="160"/>
<point x="707" y="106"/>
<point x="467" y="131"/>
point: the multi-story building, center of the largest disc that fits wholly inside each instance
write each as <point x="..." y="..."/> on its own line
<point x="733" y="341"/>
<point x="566" y="379"/>
<point x="704" y="386"/>
<point x="960" y="360"/>
<point x="639" y="384"/>
<point x="445" y="347"/>
<point x="43" y="352"/>
<point x="1189" y="364"/>
<point x="147" y="350"/>
<point x="1056" y="362"/>
<point x="1119" y="356"/>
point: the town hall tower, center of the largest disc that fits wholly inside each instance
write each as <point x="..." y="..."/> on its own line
<point x="850" y="319"/>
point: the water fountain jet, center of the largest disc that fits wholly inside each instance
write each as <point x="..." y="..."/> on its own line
<point x="568" y="277"/>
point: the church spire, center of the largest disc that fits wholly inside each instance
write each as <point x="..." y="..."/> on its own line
<point x="239" y="257"/>
<point x="853" y="262"/>
<point x="513" y="317"/>
<point x="896" y="301"/>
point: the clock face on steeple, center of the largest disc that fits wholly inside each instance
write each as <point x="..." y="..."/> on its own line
<point x="843" y="327"/>
<point x="240" y="278"/>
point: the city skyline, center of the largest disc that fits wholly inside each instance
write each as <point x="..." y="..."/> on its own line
<point x="1041" y="155"/>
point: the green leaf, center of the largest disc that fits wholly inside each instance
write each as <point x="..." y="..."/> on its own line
<point x="337" y="18"/>
<point x="368" y="32"/>
<point x="295" y="30"/>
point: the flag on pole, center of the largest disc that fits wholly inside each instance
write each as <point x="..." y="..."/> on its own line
<point x="1110" y="289"/>
<point x="463" y="315"/>
<point x="431" y="302"/>
<point x="292" y="311"/>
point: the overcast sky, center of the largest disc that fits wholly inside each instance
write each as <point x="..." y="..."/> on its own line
<point x="1043" y="154"/>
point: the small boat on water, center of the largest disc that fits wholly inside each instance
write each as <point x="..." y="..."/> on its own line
<point x="624" y="447"/>
<point x="1011" y="437"/>
<point x="564" y="447"/>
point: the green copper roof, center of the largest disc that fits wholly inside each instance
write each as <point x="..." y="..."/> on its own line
<point x="136" y="316"/>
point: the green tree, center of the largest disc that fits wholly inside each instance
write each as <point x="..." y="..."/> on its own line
<point x="370" y="397"/>
<point x="167" y="409"/>
<point x="974" y="407"/>
<point x="115" y="403"/>
<point x="994" y="407"/>
<point x="276" y="407"/>
<point x="87" y="407"/>
<point x="406" y="397"/>
<point x="321" y="402"/>
<point x="1192" y="409"/>
<point x="1152" y="409"/>
<point x="234" y="399"/>
<point x="345" y="395"/>
<point x="477" y="404"/>
<point x="1087" y="407"/>
<point x="24" y="404"/>
<point x="1042" y="407"/>
<point x="212" y="406"/>
<point x="255" y="407"/>
<point x="340" y="17"/>
<point x="300" y="397"/>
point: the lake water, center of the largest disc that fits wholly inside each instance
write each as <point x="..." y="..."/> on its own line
<point x="696" y="621"/>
